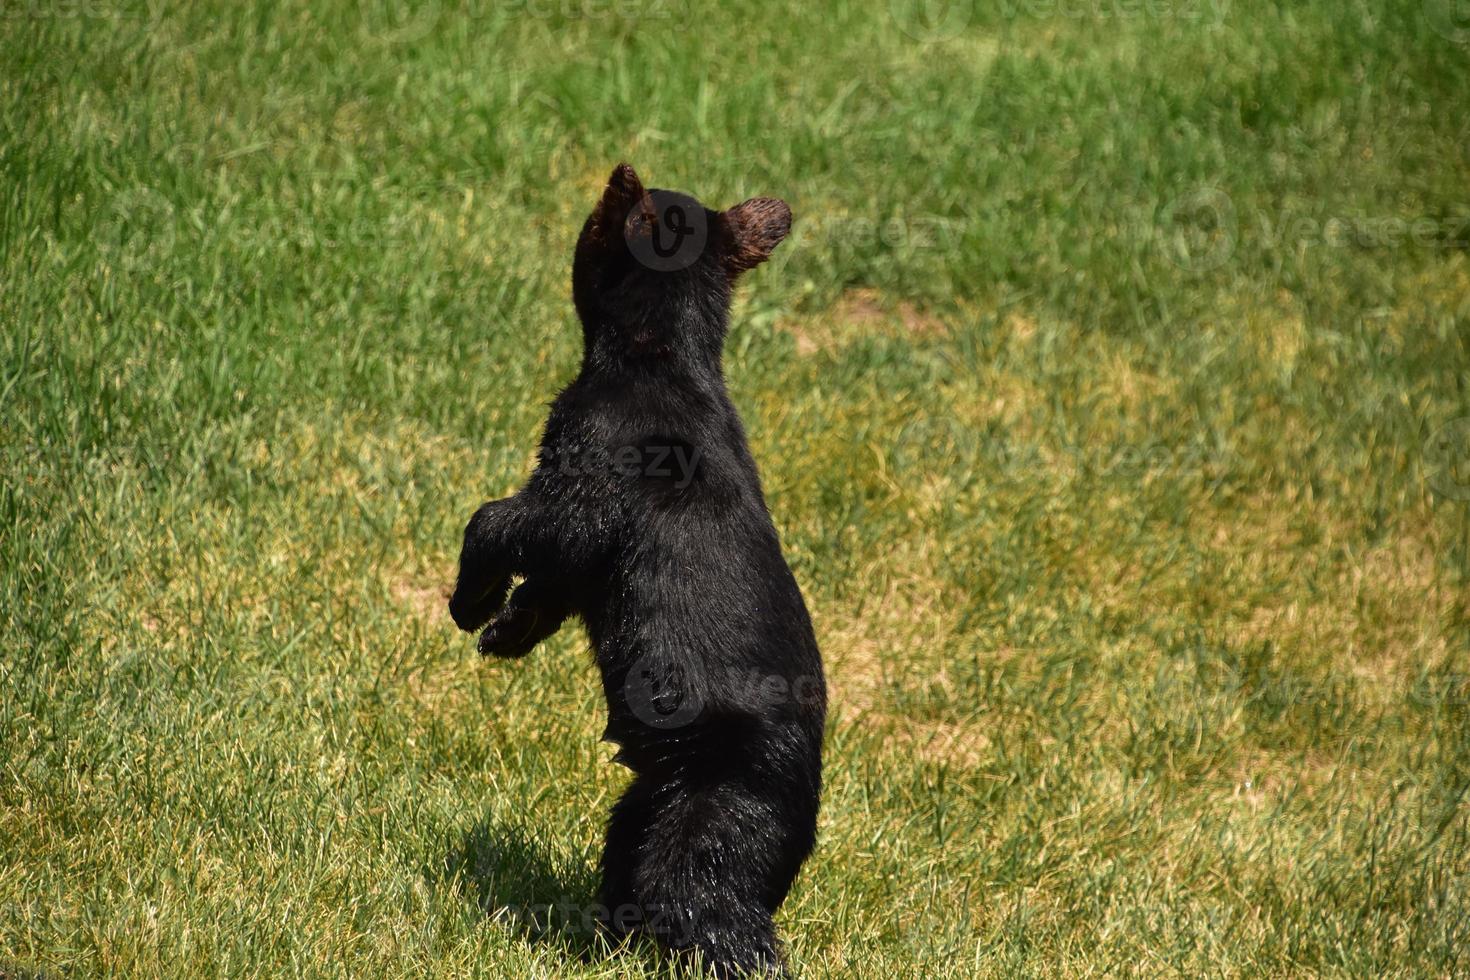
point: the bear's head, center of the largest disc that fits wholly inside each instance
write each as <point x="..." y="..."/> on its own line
<point x="653" y="269"/>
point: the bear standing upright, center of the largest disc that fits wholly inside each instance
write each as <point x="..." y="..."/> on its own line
<point x="645" y="517"/>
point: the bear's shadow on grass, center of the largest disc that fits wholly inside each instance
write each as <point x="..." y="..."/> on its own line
<point x="515" y="880"/>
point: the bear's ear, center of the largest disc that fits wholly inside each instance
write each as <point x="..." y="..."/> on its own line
<point x="753" y="229"/>
<point x="623" y="191"/>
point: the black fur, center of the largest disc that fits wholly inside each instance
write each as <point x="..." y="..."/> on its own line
<point x="645" y="517"/>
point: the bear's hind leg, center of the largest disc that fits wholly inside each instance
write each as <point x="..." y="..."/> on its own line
<point x="714" y="863"/>
<point x="627" y="828"/>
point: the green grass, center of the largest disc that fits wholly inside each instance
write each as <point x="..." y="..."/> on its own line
<point x="1096" y="398"/>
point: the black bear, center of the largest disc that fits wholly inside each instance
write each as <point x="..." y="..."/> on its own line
<point x="645" y="517"/>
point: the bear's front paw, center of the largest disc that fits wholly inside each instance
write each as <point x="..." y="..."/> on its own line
<point x="472" y="607"/>
<point x="512" y="635"/>
<point x="535" y="611"/>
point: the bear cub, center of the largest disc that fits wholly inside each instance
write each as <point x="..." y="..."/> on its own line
<point x="645" y="518"/>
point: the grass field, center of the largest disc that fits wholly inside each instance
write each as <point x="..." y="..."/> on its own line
<point x="1110" y="398"/>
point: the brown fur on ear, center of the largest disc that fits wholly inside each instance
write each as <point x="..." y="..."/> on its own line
<point x="623" y="191"/>
<point x="755" y="227"/>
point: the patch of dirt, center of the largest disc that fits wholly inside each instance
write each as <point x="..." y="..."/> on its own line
<point x="1019" y="326"/>
<point x="1382" y="611"/>
<point x="420" y="596"/>
<point x="861" y="313"/>
<point x="905" y="610"/>
<point x="961" y="745"/>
